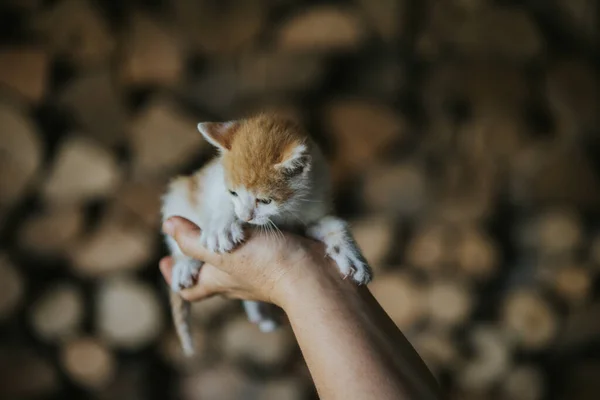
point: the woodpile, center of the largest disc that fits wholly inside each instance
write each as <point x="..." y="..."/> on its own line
<point x="463" y="139"/>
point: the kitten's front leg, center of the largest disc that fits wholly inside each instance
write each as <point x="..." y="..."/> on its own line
<point x="341" y="247"/>
<point x="222" y="236"/>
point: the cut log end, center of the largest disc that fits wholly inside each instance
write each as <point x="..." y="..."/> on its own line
<point x="58" y="314"/>
<point x="124" y="299"/>
<point x="531" y="319"/>
<point x="88" y="362"/>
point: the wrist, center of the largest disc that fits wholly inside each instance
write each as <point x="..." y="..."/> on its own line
<point x="315" y="284"/>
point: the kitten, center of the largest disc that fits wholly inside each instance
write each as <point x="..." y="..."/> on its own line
<point x="269" y="173"/>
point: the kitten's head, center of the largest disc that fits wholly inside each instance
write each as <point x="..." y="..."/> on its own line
<point x="266" y="161"/>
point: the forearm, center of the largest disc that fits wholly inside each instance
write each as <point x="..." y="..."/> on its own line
<point x="352" y="348"/>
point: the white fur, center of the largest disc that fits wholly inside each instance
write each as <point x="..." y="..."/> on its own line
<point x="221" y="230"/>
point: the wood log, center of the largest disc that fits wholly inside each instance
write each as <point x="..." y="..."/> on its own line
<point x="220" y="29"/>
<point x="256" y="78"/>
<point x="11" y="287"/>
<point x="142" y="199"/>
<point x="221" y="382"/>
<point x="163" y="139"/>
<point x="556" y="232"/>
<point x="58" y="314"/>
<point x="493" y="89"/>
<point x="21" y="152"/>
<point x="573" y="284"/>
<point x="571" y="87"/>
<point x="362" y="132"/>
<point x="284" y="389"/>
<point x="556" y="173"/>
<point x="466" y="190"/>
<point x="429" y="247"/>
<point x="276" y="73"/>
<point x="129" y="313"/>
<point x="449" y="302"/>
<point x="523" y="382"/>
<point x="77" y="30"/>
<point x="24" y="70"/>
<point x="473" y="32"/>
<point x="477" y="255"/>
<point x="83" y="170"/>
<point x="243" y="341"/>
<point x="102" y="116"/>
<point x="322" y="29"/>
<point x="206" y="311"/>
<point x="374" y="236"/>
<point x="493" y="134"/>
<point x="25" y="374"/>
<point x="401" y="297"/>
<point x="152" y="54"/>
<point x="52" y="231"/>
<point x="529" y="319"/>
<point x="88" y="362"/>
<point x="120" y="243"/>
<point x="491" y="361"/>
<point x="387" y="17"/>
<point x="399" y="189"/>
<point x="438" y="350"/>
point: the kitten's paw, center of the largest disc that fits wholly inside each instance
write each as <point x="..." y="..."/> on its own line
<point x="341" y="247"/>
<point x="185" y="274"/>
<point x="268" y="325"/>
<point x="222" y="239"/>
<point x="350" y="262"/>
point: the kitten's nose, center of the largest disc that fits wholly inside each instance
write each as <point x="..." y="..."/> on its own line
<point x="249" y="216"/>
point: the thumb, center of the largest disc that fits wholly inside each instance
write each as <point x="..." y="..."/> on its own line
<point x="187" y="236"/>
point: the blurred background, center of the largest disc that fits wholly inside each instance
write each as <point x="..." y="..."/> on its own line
<point x="464" y="140"/>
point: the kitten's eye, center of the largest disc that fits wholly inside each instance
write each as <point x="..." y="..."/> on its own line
<point x="264" y="201"/>
<point x="234" y="194"/>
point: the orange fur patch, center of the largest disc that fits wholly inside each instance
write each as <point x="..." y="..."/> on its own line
<point x="257" y="145"/>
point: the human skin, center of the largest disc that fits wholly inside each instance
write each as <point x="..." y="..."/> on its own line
<point x="352" y="348"/>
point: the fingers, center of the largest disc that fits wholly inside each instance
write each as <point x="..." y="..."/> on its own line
<point x="198" y="292"/>
<point x="166" y="268"/>
<point x="205" y="287"/>
<point x="187" y="236"/>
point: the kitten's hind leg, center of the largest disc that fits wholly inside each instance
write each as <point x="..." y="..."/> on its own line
<point x="342" y="248"/>
<point x="260" y="314"/>
<point x="185" y="269"/>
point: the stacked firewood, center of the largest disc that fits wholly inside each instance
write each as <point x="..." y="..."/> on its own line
<point x="463" y="139"/>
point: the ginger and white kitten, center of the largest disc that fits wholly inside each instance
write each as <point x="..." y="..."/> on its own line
<point x="269" y="172"/>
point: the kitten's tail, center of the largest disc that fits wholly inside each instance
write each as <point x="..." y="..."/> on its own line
<point x="180" y="309"/>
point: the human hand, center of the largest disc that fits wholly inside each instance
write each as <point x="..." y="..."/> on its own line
<point x="260" y="269"/>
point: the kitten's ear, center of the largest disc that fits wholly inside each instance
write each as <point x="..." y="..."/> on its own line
<point x="219" y="134"/>
<point x="294" y="160"/>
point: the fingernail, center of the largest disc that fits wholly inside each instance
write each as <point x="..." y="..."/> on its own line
<point x="169" y="227"/>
